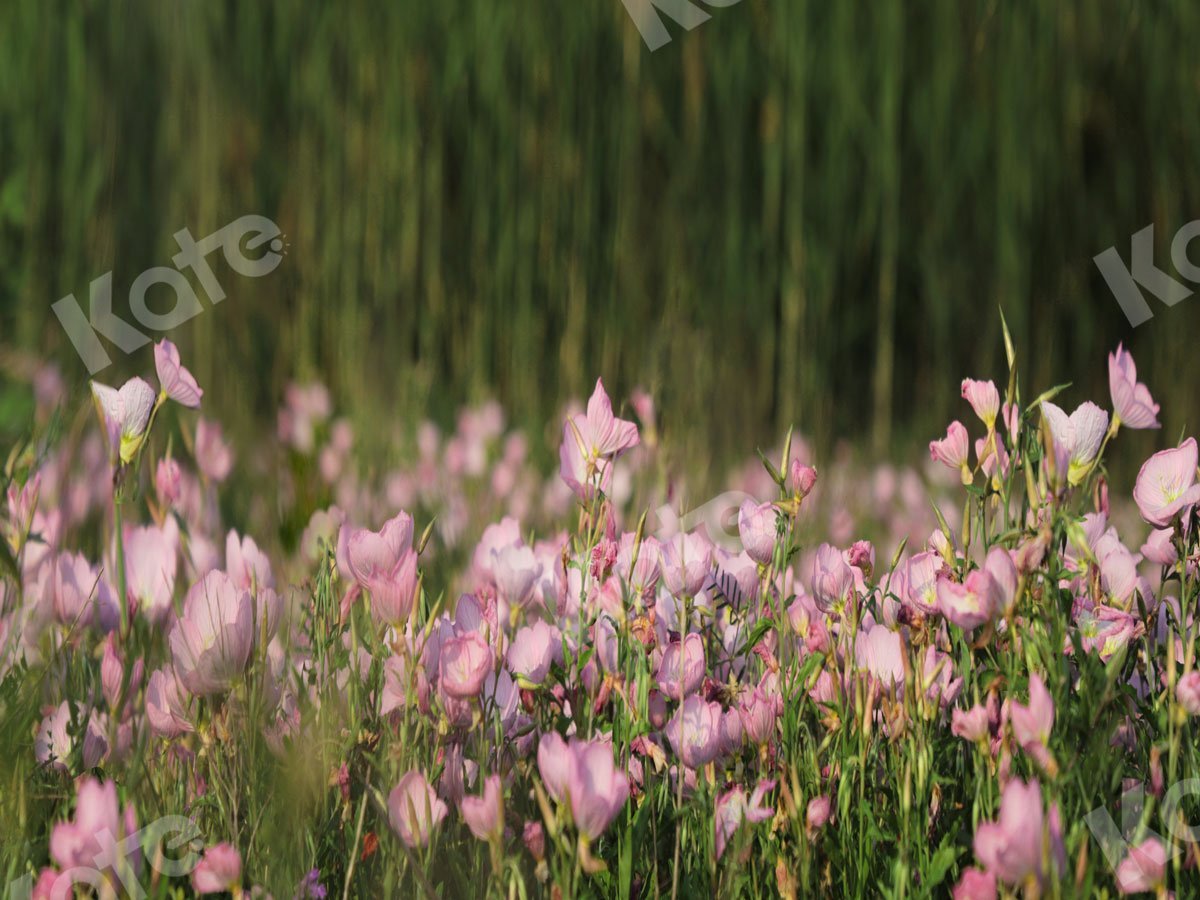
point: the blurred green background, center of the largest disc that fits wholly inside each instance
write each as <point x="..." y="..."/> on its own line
<point x="798" y="212"/>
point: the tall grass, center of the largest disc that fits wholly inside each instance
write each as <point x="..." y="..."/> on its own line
<point x="511" y="198"/>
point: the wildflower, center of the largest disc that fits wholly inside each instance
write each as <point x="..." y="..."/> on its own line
<point x="464" y="663"/>
<point x="734" y="807"/>
<point x="384" y="564"/>
<point x="694" y="732"/>
<point x="531" y="652"/>
<point x="1132" y="404"/>
<point x="1143" y="869"/>
<point x="757" y="712"/>
<point x="976" y="885"/>
<point x="972" y="724"/>
<point x="685" y="562"/>
<point x="125" y="415"/>
<point x="952" y="450"/>
<point x="98" y="829"/>
<point x="175" y="381"/>
<point x="756" y="528"/>
<point x="1187" y="692"/>
<point x="984" y="399"/>
<point x="219" y="870"/>
<point x="1166" y="485"/>
<point x="168" y="481"/>
<point x="804" y="478"/>
<point x="212" y="640"/>
<point x="166" y="704"/>
<point x="1078" y="436"/>
<point x="833" y="580"/>
<point x="151" y="563"/>
<point x="817" y="813"/>
<point x="1032" y="724"/>
<point x="681" y="670"/>
<point x="970" y="604"/>
<point x="485" y="815"/>
<point x="1011" y="847"/>
<point x="414" y="810"/>
<point x="214" y="457"/>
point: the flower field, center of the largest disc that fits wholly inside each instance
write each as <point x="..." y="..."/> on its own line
<point x="466" y="677"/>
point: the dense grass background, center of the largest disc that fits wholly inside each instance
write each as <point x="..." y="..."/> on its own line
<point x="799" y="212"/>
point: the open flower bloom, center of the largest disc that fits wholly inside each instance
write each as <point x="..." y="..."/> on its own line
<point x="176" y="381"/>
<point x="384" y="564"/>
<point x="1166" y="485"/>
<point x="532" y="651"/>
<point x="218" y="871"/>
<point x="485" y="815"/>
<point x="984" y="399"/>
<point x="1011" y="847"/>
<point x="1032" y="724"/>
<point x="681" y="670"/>
<point x="151" y="563"/>
<point x="970" y="604"/>
<point x="591" y="442"/>
<point x="1133" y="406"/>
<point x="125" y="414"/>
<point x="212" y="640"/>
<point x="414" y="810"/>
<point x="214" y="457"/>
<point x="464" y="662"/>
<point x="1143" y="869"/>
<point x="1078" y="436"/>
<point x="167" y="708"/>
<point x="695" y="731"/>
<point x="597" y="789"/>
<point x="734" y="808"/>
<point x="93" y="839"/>
<point x="953" y="451"/>
<point x="686" y="561"/>
<point x="833" y="580"/>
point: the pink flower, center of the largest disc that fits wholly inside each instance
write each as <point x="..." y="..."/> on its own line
<point x="167" y="704"/>
<point x="214" y="457"/>
<point x="218" y="871"/>
<point x="880" y="651"/>
<point x="733" y="808"/>
<point x="975" y="885"/>
<point x="1158" y="548"/>
<point x="757" y="711"/>
<point x="804" y="478"/>
<point x="1011" y="847"/>
<point x="384" y="564"/>
<point x="1132" y="404"/>
<point x="554" y="764"/>
<point x="1144" y="868"/>
<point x="686" y="561"/>
<point x="817" y="813"/>
<point x="464" y="663"/>
<point x="1077" y="436"/>
<point x="756" y="527"/>
<point x="211" y="642"/>
<point x="984" y="399"/>
<point x="176" y="381"/>
<point x="485" y="815"/>
<point x="97" y="831"/>
<point x="414" y="810"/>
<point x="922" y="579"/>
<point x="603" y="435"/>
<point x="1187" y="692"/>
<point x="970" y="604"/>
<point x="1166" y="484"/>
<point x="532" y="651"/>
<point x="125" y="415"/>
<point x="953" y="450"/>
<point x="971" y="725"/>
<point x="695" y="732"/>
<point x="681" y="671"/>
<point x="533" y="836"/>
<point x="515" y="570"/>
<point x="80" y="596"/>
<point x="1032" y="724"/>
<point x="597" y="790"/>
<point x="151" y="562"/>
<point x="168" y="481"/>
<point x="999" y="564"/>
<point x="833" y="580"/>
